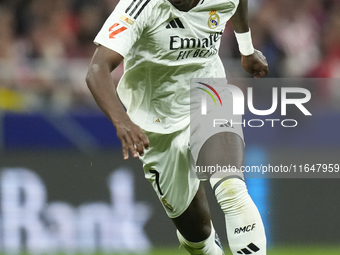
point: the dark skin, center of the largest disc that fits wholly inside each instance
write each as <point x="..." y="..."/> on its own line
<point x="184" y="5"/>
<point x="223" y="149"/>
<point x="194" y="223"/>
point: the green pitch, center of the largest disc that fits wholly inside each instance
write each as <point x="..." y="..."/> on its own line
<point x="282" y="250"/>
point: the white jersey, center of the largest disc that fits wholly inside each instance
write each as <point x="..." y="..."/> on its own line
<point x="163" y="48"/>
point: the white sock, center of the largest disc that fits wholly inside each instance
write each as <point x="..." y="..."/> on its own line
<point x="206" y="247"/>
<point x="244" y="225"/>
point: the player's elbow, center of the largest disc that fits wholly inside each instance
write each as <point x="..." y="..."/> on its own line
<point x="88" y="78"/>
<point x="92" y="72"/>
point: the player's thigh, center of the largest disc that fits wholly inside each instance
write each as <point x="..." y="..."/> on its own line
<point x="222" y="152"/>
<point x="217" y="145"/>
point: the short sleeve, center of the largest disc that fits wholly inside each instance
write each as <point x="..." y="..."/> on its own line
<point x="124" y="26"/>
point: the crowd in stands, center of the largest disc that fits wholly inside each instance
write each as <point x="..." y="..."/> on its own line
<point x="45" y="45"/>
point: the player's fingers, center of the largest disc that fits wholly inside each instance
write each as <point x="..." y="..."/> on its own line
<point x="133" y="149"/>
<point x="260" y="69"/>
<point x="262" y="58"/>
<point x="145" y="140"/>
<point x="264" y="70"/>
<point x="139" y="147"/>
<point x="260" y="74"/>
<point x="128" y="144"/>
<point x="125" y="150"/>
<point x="137" y="142"/>
<point x="257" y="75"/>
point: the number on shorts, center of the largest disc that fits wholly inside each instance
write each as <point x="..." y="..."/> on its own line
<point x="157" y="180"/>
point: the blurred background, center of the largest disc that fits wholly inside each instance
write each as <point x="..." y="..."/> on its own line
<point x="63" y="184"/>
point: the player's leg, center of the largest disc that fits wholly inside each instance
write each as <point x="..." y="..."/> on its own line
<point x="243" y="222"/>
<point x="194" y="228"/>
<point x="194" y="222"/>
<point x="167" y="166"/>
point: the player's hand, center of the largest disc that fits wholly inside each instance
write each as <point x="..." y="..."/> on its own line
<point x="255" y="64"/>
<point x="132" y="138"/>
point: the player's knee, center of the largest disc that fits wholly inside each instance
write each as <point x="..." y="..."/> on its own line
<point x="206" y="231"/>
<point x="231" y="193"/>
<point x="195" y="234"/>
<point x="209" y="246"/>
<point x="219" y="151"/>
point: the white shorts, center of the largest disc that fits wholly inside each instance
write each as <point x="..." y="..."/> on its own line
<point x="169" y="163"/>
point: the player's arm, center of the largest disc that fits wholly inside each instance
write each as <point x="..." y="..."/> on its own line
<point x="101" y="85"/>
<point x="253" y="61"/>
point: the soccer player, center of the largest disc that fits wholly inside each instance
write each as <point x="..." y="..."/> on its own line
<point x="165" y="43"/>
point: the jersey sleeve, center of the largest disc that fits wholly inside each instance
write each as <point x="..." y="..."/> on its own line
<point x="124" y="26"/>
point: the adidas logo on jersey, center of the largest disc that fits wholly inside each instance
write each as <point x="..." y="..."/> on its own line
<point x="161" y="120"/>
<point x="175" y="23"/>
